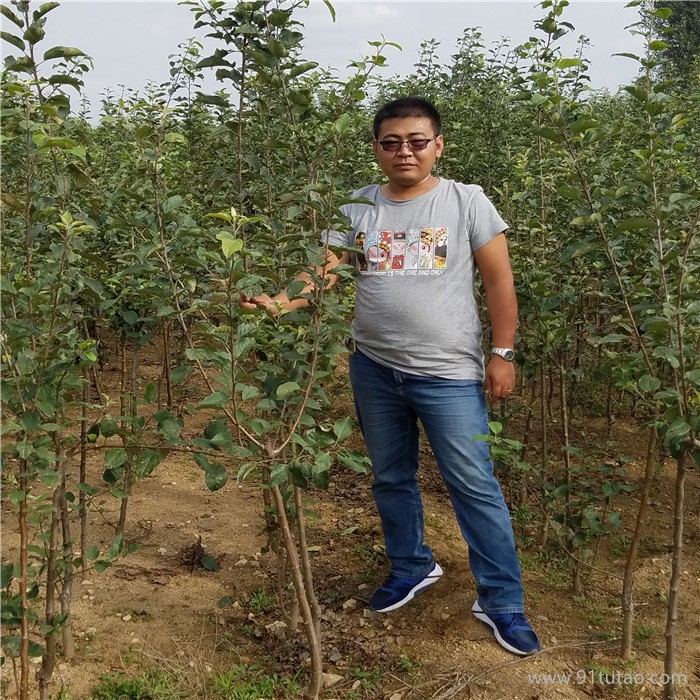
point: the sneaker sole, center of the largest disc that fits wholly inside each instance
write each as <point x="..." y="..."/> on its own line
<point x="429" y="580"/>
<point x="480" y="615"/>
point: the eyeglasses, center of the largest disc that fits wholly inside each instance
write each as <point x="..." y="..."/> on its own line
<point x="393" y="145"/>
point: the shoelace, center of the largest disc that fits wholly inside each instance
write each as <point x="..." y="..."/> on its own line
<point x="516" y="621"/>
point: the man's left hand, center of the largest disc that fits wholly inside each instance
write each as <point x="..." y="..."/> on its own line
<point x="500" y="379"/>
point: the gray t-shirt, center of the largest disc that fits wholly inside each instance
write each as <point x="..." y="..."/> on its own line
<point x="414" y="307"/>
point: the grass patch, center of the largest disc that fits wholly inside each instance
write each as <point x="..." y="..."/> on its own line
<point x="260" y="601"/>
<point x="250" y="682"/>
<point x="154" y="684"/>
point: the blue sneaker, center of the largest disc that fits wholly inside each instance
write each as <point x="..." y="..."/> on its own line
<point x="397" y="591"/>
<point x="512" y="630"/>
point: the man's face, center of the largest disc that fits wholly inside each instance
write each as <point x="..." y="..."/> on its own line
<point x="406" y="167"/>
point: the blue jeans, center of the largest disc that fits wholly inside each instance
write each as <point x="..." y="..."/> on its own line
<point x="389" y="403"/>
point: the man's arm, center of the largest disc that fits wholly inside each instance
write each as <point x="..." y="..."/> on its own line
<point x="497" y="277"/>
<point x="281" y="302"/>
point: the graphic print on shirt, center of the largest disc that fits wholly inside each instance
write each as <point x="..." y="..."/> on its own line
<point x="361" y="258"/>
<point x="403" y="252"/>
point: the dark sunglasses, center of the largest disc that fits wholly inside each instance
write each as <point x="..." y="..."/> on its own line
<point x="413" y="144"/>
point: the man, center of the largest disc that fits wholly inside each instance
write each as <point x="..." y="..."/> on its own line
<point x="417" y="356"/>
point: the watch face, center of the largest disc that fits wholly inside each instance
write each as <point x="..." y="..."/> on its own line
<point x="509" y="355"/>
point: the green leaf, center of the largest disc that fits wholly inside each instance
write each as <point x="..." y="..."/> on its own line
<point x="342" y="428"/>
<point x="663" y="12"/>
<point x="63" y="52"/>
<point x="568" y="62"/>
<point x="323" y="461"/>
<point x="146" y="462"/>
<point x="302" y="68"/>
<point x="279" y="474"/>
<point x="111" y="476"/>
<point x="16" y="496"/>
<point x="582" y="125"/>
<point x="342" y="123"/>
<point x="34" y="34"/>
<point x="245" y="471"/>
<point x="215" y="477"/>
<point x="92" y="552"/>
<point x="150" y="395"/>
<point x="287" y="389"/>
<point x="613" y="338"/>
<point x="671" y="356"/>
<point x="225" y="601"/>
<point x="276" y="48"/>
<point x="216" y="427"/>
<point x="648" y="384"/>
<point x="294" y="289"/>
<point x="216" y="100"/>
<point x="495" y="427"/>
<point x="611" y="489"/>
<point x="210" y="564"/>
<point x="638" y="93"/>
<point x="634" y="223"/>
<point x="44" y="8"/>
<point x="7" y="13"/>
<point x="108" y="427"/>
<point x="179" y="374"/>
<point x="6" y="575"/>
<point x="658" y="45"/>
<point x="35" y="650"/>
<point x="11" y="644"/>
<point x="354" y="460"/>
<point x="331" y="9"/>
<point x="249" y="392"/>
<point x="175" y="137"/>
<point x="217" y="399"/>
<point x="115" y="458"/>
<point x="169" y="429"/>
<point x="12" y="39"/>
<point x="172" y="203"/>
<point x="693" y="376"/>
<point x="230" y="245"/>
<point x="677" y="430"/>
<point x="560" y="491"/>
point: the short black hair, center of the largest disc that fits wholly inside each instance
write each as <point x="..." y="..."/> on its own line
<point x="409" y="106"/>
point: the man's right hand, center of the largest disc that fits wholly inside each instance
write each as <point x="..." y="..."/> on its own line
<point x="261" y="301"/>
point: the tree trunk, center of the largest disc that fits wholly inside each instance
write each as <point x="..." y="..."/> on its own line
<point x="82" y="496"/>
<point x="630" y="564"/>
<point x="129" y="468"/>
<point x="24" y="584"/>
<point x="314" y="686"/>
<point x="45" y="671"/>
<point x="166" y="364"/>
<point x="67" y="585"/>
<point x="545" y="458"/>
<point x="306" y="564"/>
<point x="669" y="692"/>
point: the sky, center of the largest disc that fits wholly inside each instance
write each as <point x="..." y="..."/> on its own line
<point x="130" y="41"/>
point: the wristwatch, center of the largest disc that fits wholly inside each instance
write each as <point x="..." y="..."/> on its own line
<point x="506" y="353"/>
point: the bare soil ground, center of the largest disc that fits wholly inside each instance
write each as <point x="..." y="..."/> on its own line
<point x="151" y="608"/>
